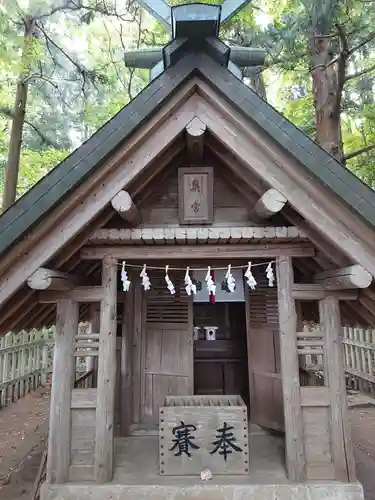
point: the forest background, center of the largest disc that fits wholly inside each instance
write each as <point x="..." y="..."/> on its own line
<point x="62" y="74"/>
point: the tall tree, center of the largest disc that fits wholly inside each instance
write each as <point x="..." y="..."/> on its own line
<point x="46" y="63"/>
<point x="323" y="40"/>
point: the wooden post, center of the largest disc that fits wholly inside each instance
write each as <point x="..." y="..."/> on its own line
<point x="103" y="462"/>
<point x="342" y="449"/>
<point x="62" y="384"/>
<point x="23" y="365"/>
<point x="94" y="314"/>
<point x="295" y="454"/>
<point x="45" y="358"/>
<point x="126" y="364"/>
<point x="5" y="369"/>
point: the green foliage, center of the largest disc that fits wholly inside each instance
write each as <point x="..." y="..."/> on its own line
<point x="36" y="164"/>
<point x="73" y="65"/>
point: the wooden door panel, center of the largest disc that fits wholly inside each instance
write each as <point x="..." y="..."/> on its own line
<point x="168" y="366"/>
<point x="266" y="397"/>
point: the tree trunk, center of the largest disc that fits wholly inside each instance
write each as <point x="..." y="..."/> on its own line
<point x="18" y="120"/>
<point x="327" y="92"/>
<point x="257" y="82"/>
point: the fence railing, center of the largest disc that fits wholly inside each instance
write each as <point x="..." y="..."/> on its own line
<point x="25" y="362"/>
<point x="359" y="355"/>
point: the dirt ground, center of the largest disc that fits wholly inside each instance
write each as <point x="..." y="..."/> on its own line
<point x="363" y="435"/>
<point x="23" y="427"/>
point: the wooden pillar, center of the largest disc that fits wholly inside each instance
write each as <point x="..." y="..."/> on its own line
<point x="62" y="384"/>
<point x="342" y="450"/>
<point x="94" y="314"/>
<point x="126" y="364"/>
<point x="295" y="454"/>
<point x="103" y="462"/>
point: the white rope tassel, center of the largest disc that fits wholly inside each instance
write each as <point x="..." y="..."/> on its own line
<point x="251" y="281"/>
<point x="231" y="282"/>
<point x="145" y="279"/>
<point x="211" y="287"/>
<point x="170" y="285"/>
<point x="270" y="275"/>
<point x="189" y="285"/>
<point x="124" y="278"/>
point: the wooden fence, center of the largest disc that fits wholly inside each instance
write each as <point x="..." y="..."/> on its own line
<point x="359" y="355"/>
<point x="25" y="363"/>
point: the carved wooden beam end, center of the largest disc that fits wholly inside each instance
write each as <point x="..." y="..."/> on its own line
<point x="195" y="140"/>
<point x="349" y="277"/>
<point x="49" y="279"/>
<point x="125" y="207"/>
<point x="269" y="204"/>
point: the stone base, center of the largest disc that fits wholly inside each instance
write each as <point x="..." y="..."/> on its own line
<point x="308" y="491"/>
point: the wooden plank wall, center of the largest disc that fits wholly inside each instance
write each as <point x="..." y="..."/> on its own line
<point x="327" y="447"/>
<point x="83" y="424"/>
<point x="230" y="207"/>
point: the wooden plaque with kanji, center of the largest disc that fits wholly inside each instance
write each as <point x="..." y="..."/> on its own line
<point x="195" y="186"/>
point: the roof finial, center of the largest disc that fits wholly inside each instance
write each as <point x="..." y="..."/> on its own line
<point x="161" y="10"/>
<point x="195" y="25"/>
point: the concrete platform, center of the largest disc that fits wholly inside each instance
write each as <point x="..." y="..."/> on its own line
<point x="137" y="477"/>
<point x="321" y="491"/>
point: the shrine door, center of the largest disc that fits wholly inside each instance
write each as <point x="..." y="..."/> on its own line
<point x="167" y="367"/>
<point x="266" y="397"/>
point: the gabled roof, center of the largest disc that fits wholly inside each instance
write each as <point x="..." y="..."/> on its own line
<point x="51" y="190"/>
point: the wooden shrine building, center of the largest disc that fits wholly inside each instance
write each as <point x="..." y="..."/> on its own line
<point x="199" y="174"/>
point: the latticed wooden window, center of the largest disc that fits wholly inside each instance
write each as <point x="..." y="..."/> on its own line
<point x="164" y="307"/>
<point x="263" y="303"/>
